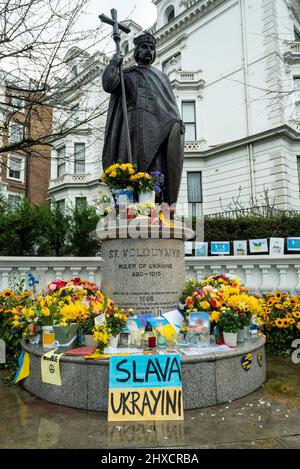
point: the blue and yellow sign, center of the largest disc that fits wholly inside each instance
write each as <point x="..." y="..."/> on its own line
<point x="246" y="361"/>
<point x="145" y="388"/>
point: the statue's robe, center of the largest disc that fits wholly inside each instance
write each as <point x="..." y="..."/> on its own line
<point x="155" y="126"/>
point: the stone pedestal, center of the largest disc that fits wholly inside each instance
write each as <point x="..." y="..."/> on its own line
<point x="145" y="274"/>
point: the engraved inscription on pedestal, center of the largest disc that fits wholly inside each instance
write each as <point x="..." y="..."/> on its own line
<point x="143" y="274"/>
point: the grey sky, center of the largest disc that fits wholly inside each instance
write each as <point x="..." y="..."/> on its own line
<point x="142" y="12"/>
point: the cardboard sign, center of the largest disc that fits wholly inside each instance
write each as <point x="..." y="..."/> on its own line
<point x="240" y="248"/>
<point x="220" y="248"/>
<point x="276" y="246"/>
<point x="145" y="388"/>
<point x="50" y="370"/>
<point x="258" y="245"/>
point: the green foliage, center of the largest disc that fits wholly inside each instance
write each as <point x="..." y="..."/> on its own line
<point x="43" y="230"/>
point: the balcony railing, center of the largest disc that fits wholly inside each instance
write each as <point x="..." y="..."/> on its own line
<point x="293" y="53"/>
<point x="70" y="179"/>
<point x="194" y="146"/>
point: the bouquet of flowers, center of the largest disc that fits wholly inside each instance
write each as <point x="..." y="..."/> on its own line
<point x="146" y="182"/>
<point x="118" y="176"/>
<point x="229" y="320"/>
<point x="116" y="318"/>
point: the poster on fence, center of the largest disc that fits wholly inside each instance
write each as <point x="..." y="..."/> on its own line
<point x="240" y="248"/>
<point x="293" y="244"/>
<point x="145" y="387"/>
<point x="220" y="248"/>
<point x="276" y="246"/>
<point x="188" y="248"/>
<point x="201" y="249"/>
<point x="258" y="245"/>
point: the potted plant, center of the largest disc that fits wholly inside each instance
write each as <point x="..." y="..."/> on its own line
<point x="147" y="185"/>
<point x="101" y="335"/>
<point x="116" y="320"/>
<point x="118" y="178"/>
<point x="229" y="324"/>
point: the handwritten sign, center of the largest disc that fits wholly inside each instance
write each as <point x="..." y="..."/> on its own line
<point x="145" y="388"/>
<point x="50" y="369"/>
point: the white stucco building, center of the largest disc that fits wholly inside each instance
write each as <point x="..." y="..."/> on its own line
<point x="235" y="70"/>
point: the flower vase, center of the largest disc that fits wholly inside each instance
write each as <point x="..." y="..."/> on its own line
<point x="147" y="197"/>
<point x="218" y="336"/>
<point x="230" y="339"/>
<point x="113" y="341"/>
<point x="123" y="196"/>
<point x="65" y="336"/>
<point x="247" y="332"/>
<point x="48" y="337"/>
<point x="241" y="336"/>
<point x="89" y="340"/>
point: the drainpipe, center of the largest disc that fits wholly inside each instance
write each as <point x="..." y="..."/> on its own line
<point x="246" y="98"/>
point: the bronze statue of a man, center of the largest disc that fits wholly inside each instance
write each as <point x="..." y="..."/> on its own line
<point x="155" y="126"/>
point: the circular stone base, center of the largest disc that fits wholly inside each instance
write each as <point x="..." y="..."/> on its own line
<point x="207" y="379"/>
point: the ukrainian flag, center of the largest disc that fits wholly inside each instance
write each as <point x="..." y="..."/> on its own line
<point x="24" y="367"/>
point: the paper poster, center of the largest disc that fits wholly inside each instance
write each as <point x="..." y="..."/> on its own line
<point x="163" y="326"/>
<point x="220" y="248"/>
<point x="293" y="244"/>
<point x="258" y="245"/>
<point x="145" y="317"/>
<point x="50" y="369"/>
<point x="276" y="246"/>
<point x="240" y="248"/>
<point x="188" y="248"/>
<point x="99" y="320"/>
<point x="145" y="388"/>
<point x="201" y="249"/>
<point x="2" y="351"/>
<point x="199" y="329"/>
<point x="175" y="318"/>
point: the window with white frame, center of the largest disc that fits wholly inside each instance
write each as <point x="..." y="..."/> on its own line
<point x="80" y="202"/>
<point x="79" y="158"/>
<point x="75" y="112"/>
<point x="297" y="96"/>
<point x="17" y="101"/>
<point x="194" y="188"/>
<point x="167" y="66"/>
<point x="14" y="200"/>
<point x="189" y="119"/>
<point x="169" y="14"/>
<point x="16" y="132"/>
<point x="15" y="168"/>
<point x="61" y="161"/>
<point x="61" y="205"/>
<point x="298" y="169"/>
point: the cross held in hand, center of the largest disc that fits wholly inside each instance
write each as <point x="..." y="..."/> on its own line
<point x="113" y="21"/>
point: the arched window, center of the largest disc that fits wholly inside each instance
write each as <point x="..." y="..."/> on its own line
<point x="125" y="47"/>
<point x="169" y="14"/>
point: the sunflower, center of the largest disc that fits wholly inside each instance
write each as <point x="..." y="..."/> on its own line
<point x="296" y="314"/>
<point x="279" y="322"/>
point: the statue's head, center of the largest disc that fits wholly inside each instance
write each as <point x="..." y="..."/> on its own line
<point x="145" y="52"/>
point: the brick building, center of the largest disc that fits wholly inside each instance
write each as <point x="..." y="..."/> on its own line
<point x="24" y="160"/>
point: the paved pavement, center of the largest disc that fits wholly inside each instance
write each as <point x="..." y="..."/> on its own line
<point x="268" y="418"/>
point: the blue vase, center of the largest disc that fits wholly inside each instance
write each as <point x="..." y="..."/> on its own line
<point x="123" y="196"/>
